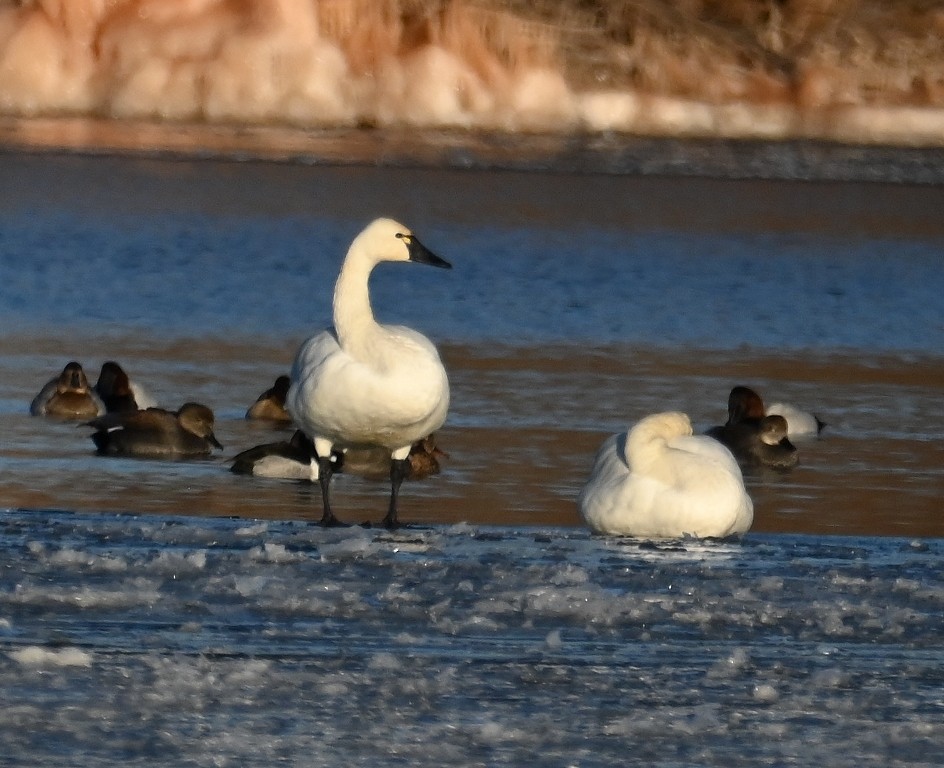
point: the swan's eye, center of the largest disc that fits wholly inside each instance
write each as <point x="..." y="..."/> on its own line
<point x="407" y="238"/>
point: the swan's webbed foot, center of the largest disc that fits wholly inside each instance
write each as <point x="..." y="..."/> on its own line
<point x="328" y="520"/>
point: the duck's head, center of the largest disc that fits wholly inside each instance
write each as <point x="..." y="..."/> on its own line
<point x="387" y="240"/>
<point x="113" y="381"/>
<point x="198" y="419"/>
<point x="72" y="379"/>
<point x="744" y="403"/>
<point x="773" y="431"/>
<point x="280" y="388"/>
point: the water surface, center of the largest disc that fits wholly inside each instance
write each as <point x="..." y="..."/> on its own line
<point x="173" y="613"/>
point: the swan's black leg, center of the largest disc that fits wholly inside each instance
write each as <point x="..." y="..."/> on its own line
<point x="398" y="470"/>
<point x="325" y="470"/>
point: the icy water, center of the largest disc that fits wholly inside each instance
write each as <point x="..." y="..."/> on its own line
<point x="175" y="613"/>
<point x="199" y="641"/>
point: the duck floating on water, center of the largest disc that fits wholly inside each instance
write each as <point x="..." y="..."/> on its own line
<point x="295" y="459"/>
<point x="68" y="396"/>
<point x="755" y="439"/>
<point x="156" y="433"/>
<point x="118" y="392"/>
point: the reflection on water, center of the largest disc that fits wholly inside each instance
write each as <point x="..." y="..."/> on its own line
<point x="577" y="305"/>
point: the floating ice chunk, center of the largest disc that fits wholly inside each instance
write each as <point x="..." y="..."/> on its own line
<point x="460" y="529"/>
<point x="356" y="544"/>
<point x="570" y="574"/>
<point x="176" y="564"/>
<point x="730" y="666"/>
<point x="250" y="586"/>
<point x="553" y="641"/>
<point x="384" y="662"/>
<point x="273" y="553"/>
<point x="765" y="693"/>
<point x="829" y="678"/>
<point x="73" y="558"/>
<point x="252" y="530"/>
<point x="35" y="656"/>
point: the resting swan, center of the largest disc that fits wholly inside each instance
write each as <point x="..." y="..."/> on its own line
<point x="361" y="384"/>
<point x="661" y="481"/>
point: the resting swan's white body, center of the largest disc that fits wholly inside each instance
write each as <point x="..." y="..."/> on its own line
<point x="362" y="384"/>
<point x="660" y="481"/>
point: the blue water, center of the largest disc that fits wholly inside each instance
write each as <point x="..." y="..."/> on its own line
<point x="185" y="275"/>
<point x="175" y="614"/>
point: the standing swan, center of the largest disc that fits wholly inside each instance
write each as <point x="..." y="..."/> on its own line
<point x="660" y="481"/>
<point x="360" y="383"/>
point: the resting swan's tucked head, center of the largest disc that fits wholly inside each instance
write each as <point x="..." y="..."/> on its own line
<point x="649" y="439"/>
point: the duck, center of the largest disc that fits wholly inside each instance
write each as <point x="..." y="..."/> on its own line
<point x="295" y="459"/>
<point x="361" y="384"/>
<point x="754" y="438"/>
<point x="659" y="480"/>
<point x="118" y="392"/>
<point x="68" y="396"/>
<point x="374" y="463"/>
<point x="770" y="445"/>
<point x="800" y="423"/>
<point x="156" y="432"/>
<point x="292" y="459"/>
<point x="270" y="405"/>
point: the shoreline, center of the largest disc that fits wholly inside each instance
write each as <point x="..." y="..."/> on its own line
<point x="694" y="153"/>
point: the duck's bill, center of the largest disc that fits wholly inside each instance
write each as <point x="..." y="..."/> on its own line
<point x="422" y="255"/>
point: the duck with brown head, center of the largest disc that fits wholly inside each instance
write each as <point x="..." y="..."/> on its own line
<point x="756" y="440"/>
<point x="270" y="405"/>
<point x="157" y="433"/>
<point x="118" y="392"/>
<point x="68" y="396"/>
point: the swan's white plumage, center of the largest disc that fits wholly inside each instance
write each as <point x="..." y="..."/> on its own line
<point x="360" y="383"/>
<point x="661" y="481"/>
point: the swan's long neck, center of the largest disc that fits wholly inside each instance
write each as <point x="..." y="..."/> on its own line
<point x="353" y="317"/>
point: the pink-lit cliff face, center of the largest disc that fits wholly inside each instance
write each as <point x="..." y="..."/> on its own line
<point x="288" y="61"/>
<point x="496" y="65"/>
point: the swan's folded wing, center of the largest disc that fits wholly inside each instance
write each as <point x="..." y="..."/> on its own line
<point x="705" y="451"/>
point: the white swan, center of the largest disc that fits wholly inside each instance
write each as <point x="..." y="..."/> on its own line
<point x="799" y="423"/>
<point x="361" y="384"/>
<point x="661" y="481"/>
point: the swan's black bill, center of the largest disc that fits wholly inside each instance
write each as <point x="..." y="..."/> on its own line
<point x="421" y="254"/>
